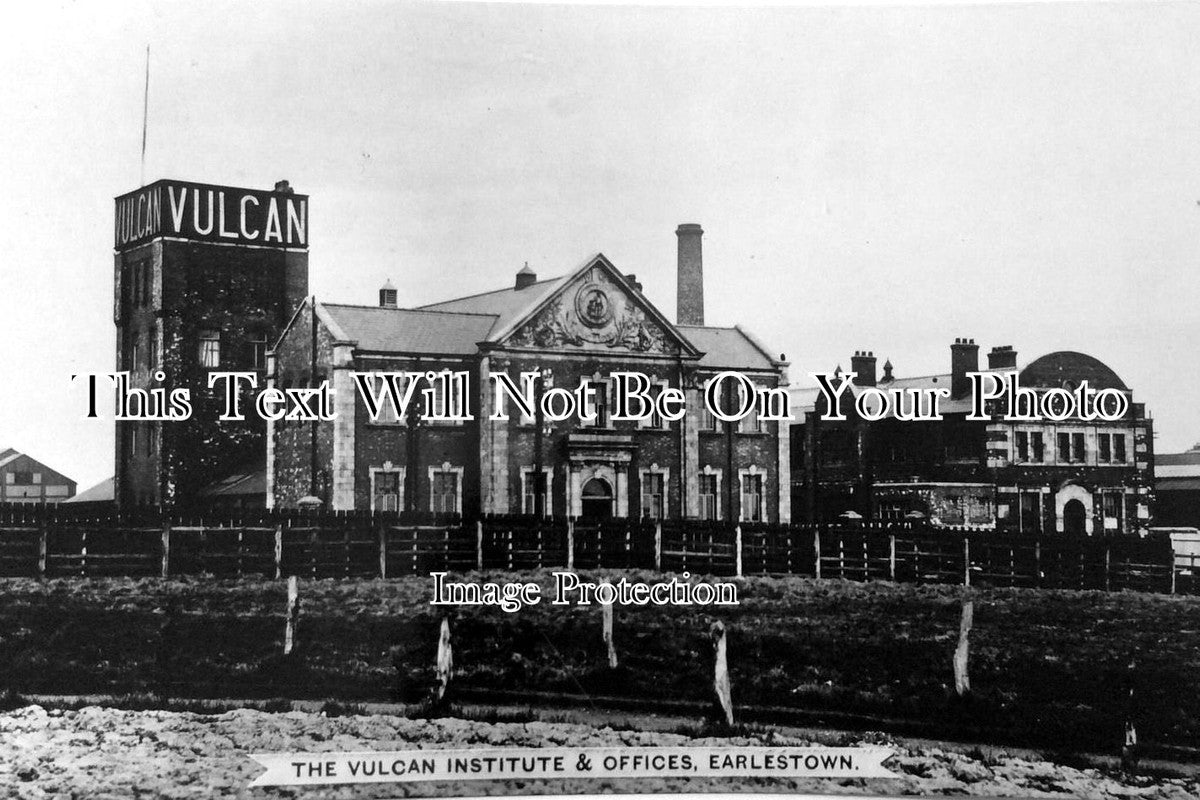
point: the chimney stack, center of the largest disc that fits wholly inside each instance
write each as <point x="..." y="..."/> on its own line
<point x="964" y="358"/>
<point x="283" y="187"/>
<point x="690" y="297"/>
<point x="526" y="277"/>
<point x="863" y="365"/>
<point x="387" y="295"/>
<point x="1002" y="357"/>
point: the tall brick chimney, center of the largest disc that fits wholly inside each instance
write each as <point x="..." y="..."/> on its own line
<point x="862" y="363"/>
<point x="964" y="358"/>
<point x="1002" y="357"/>
<point x="690" y="297"/>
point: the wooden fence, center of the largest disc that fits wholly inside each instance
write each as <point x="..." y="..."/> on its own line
<point x="41" y="542"/>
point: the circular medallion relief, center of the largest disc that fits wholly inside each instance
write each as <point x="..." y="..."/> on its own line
<point x="594" y="306"/>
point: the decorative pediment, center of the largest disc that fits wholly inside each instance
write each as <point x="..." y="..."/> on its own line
<point x="595" y="310"/>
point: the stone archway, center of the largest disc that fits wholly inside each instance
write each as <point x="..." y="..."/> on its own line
<point x="596" y="499"/>
<point x="1073" y="504"/>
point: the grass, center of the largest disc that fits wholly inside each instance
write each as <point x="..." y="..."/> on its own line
<point x="1051" y="666"/>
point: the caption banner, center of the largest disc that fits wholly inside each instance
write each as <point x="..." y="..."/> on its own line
<point x="300" y="769"/>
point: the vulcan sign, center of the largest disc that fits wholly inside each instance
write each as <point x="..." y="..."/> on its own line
<point x="205" y="213"/>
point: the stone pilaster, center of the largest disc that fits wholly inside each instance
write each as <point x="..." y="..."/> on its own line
<point x="343" y="428"/>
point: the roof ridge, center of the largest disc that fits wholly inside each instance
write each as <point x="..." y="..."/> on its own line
<point x="418" y="310"/>
<point x="483" y="294"/>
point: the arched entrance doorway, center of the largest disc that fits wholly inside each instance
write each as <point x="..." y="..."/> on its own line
<point x="1074" y="518"/>
<point x="597" y="499"/>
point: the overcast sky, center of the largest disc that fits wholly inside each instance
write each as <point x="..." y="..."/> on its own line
<point x="867" y="178"/>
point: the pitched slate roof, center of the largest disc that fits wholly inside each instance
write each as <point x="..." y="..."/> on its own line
<point x="405" y="330"/>
<point x="507" y="305"/>
<point x="726" y="348"/>
<point x="101" y="492"/>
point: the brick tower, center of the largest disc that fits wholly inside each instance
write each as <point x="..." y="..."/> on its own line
<point x="204" y="278"/>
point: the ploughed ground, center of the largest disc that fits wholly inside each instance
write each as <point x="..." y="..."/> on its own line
<point x="1049" y="669"/>
<point x="99" y="752"/>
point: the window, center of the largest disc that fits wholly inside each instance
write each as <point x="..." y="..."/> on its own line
<point x="529" y="489"/>
<point x="210" y="349"/>
<point x="135" y="352"/>
<point x="749" y="423"/>
<point x="1038" y="446"/>
<point x="10" y="478"/>
<point x="1112" y="504"/>
<point x="453" y="405"/>
<point x="152" y="350"/>
<point x="655" y="420"/>
<point x="1079" y="453"/>
<point x="710" y="489"/>
<point x="258" y="351"/>
<point x="1022" y="446"/>
<point x="380" y="389"/>
<point x="654" y="494"/>
<point x="752" y="497"/>
<point x="1105" y="442"/>
<point x="387" y="488"/>
<point x="708" y="422"/>
<point x="600" y="402"/>
<point x="1119" y="448"/>
<point x="445" y="497"/>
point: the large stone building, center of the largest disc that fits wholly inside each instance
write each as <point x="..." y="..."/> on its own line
<point x="570" y="330"/>
<point x="1073" y="476"/>
<point x="204" y="278"/>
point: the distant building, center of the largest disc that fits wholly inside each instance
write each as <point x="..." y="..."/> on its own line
<point x="573" y="329"/>
<point x="1074" y="476"/>
<point x="205" y="278"/>
<point x="1177" y="489"/>
<point x="26" y="480"/>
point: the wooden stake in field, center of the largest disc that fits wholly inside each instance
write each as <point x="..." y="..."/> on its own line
<point x="1129" y="751"/>
<point x="445" y="660"/>
<point x="722" y="696"/>
<point x="962" y="680"/>
<point x="293" y="615"/>
<point x="606" y="612"/>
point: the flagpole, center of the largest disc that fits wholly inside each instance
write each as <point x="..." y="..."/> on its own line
<point x="145" y="116"/>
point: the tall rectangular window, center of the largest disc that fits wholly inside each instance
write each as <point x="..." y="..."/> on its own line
<point x="1119" y="448"/>
<point x="210" y="349"/>
<point x="654" y="495"/>
<point x="709" y="497"/>
<point x="1038" y="446"/>
<point x="1022" y="446"/>
<point x="529" y="486"/>
<point x="444" y="496"/>
<point x="258" y="351"/>
<point x="600" y="404"/>
<point x="1105" y="442"/>
<point x="1079" y="453"/>
<point x="708" y="421"/>
<point x="386" y="490"/>
<point x="1064" y="447"/>
<point x="752" y="497"/>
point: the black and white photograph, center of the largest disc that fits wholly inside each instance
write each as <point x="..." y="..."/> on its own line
<point x="441" y="399"/>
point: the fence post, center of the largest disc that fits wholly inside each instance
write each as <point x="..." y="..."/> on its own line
<point x="570" y="544"/>
<point x="43" y="533"/>
<point x="966" y="560"/>
<point x="724" y="699"/>
<point x="962" y="680"/>
<point x="892" y="557"/>
<point x="737" y="538"/>
<point x="278" y="550"/>
<point x="817" y="550"/>
<point x="1107" y="567"/>
<point x="658" y="546"/>
<point x="293" y="614"/>
<point x="478" y="546"/>
<point x="445" y="660"/>
<point x="166" y="547"/>
<point x="382" y="549"/>
<point x="606" y="612"/>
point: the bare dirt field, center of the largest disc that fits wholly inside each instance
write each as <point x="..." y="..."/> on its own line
<point x="97" y="753"/>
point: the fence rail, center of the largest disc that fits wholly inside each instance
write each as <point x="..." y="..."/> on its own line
<point x="40" y="542"/>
